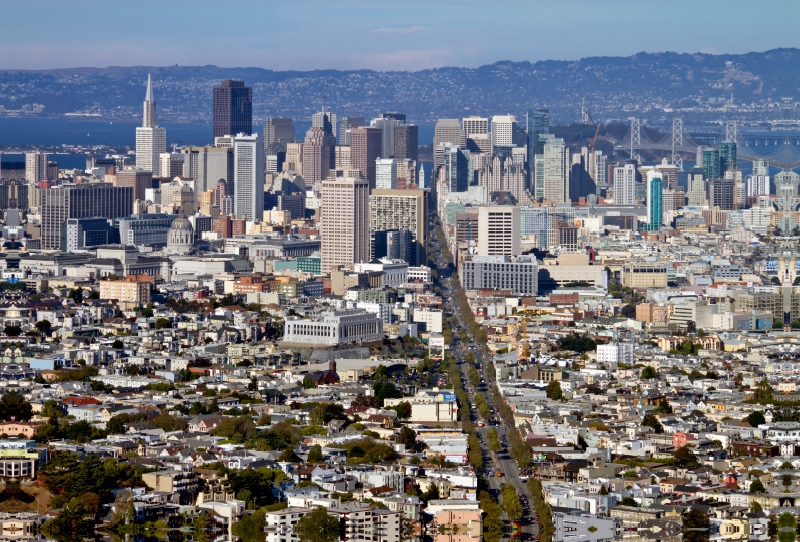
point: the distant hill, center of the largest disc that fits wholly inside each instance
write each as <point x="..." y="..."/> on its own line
<point x="648" y="85"/>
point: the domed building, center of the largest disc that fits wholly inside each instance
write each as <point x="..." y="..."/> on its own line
<point x="180" y="237"/>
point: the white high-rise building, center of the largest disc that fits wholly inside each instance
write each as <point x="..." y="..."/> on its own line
<point x="248" y="177"/>
<point x="503" y="127"/>
<point x="625" y="184"/>
<point x="556" y="171"/>
<point x="600" y="168"/>
<point x="421" y="183"/>
<point x="498" y="230"/>
<point x="36" y="166"/>
<point x="758" y="185"/>
<point x="151" y="139"/>
<point x="475" y="125"/>
<point x="760" y="167"/>
<point x="386" y="173"/>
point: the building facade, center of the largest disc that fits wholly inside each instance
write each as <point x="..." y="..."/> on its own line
<point x="345" y="222"/>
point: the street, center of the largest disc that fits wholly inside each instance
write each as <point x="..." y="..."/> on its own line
<point x="501" y="460"/>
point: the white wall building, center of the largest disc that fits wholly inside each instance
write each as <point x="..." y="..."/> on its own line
<point x="499" y="230"/>
<point x="334" y="328"/>
<point x="614" y="353"/>
<point x="519" y="275"/>
<point x="386" y="173"/>
<point x="248" y="177"/>
<point x="624" y="184"/>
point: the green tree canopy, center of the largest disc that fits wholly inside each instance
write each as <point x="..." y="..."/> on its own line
<point x="553" y="390"/>
<point x="14" y="406"/>
<point x="317" y="526"/>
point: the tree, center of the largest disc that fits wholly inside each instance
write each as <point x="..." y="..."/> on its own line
<point x="169" y="423"/>
<point x="691" y="327"/>
<point x="52" y="409"/>
<point x="317" y="526"/>
<point x="763" y="394"/>
<point x="200" y="527"/>
<point x="695" y="526"/>
<point x="648" y="373"/>
<point x="787" y="527"/>
<point x="14" y="406"/>
<point x="757" y="487"/>
<point x="755" y="507"/>
<point x="13" y="331"/>
<point x="553" y="391"/>
<point x="115" y="426"/>
<point x="629" y="501"/>
<point x="408" y="437"/>
<point x="756" y="418"/>
<point x="44" y="326"/>
<point x="117" y="344"/>
<point x="251" y="527"/>
<point x="315" y="454"/>
<point x="684" y="457"/>
<point x="70" y="524"/>
<point x="163" y="323"/>
<point x="651" y="420"/>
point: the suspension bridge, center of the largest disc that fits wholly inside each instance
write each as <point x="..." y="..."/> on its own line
<point x="781" y="150"/>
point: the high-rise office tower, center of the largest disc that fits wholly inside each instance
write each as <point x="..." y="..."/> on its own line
<point x="655" y="208"/>
<point x="758" y="185"/>
<point x="722" y="194"/>
<point x="669" y="174"/>
<point x="394" y="244"/>
<point x="386" y="173"/>
<point x="208" y="166"/>
<point x="475" y="125"/>
<point x="80" y="201"/>
<point x="503" y="127"/>
<point x="233" y="108"/>
<point x="345" y="222"/>
<point x="697" y="194"/>
<point x="499" y="230"/>
<point x="625" y="184"/>
<point x="14" y="195"/>
<point x="365" y="147"/>
<point x="346" y="125"/>
<point x="151" y="139"/>
<point x="401" y="210"/>
<point x="138" y="179"/>
<point x="278" y="131"/>
<point x="760" y="167"/>
<point x="446" y="131"/>
<point x="248" y="177"/>
<point x="294" y="158"/>
<point x="727" y="157"/>
<point x="326" y="120"/>
<point x="538" y="123"/>
<point x="600" y="173"/>
<point x="171" y="164"/>
<point x="581" y="183"/>
<point x="501" y="174"/>
<point x="35" y="166"/>
<point x="316" y="155"/>
<point x="455" y="164"/>
<point x="479" y="143"/>
<point x="406" y="142"/>
<point x="556" y="171"/>
<point x="711" y="163"/>
<point x="387" y="123"/>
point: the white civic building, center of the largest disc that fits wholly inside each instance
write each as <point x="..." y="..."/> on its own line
<point x="334" y="328"/>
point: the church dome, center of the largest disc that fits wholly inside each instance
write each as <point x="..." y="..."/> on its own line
<point x="180" y="237"/>
<point x="181" y="223"/>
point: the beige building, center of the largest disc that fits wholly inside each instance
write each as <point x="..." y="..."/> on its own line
<point x="138" y="179"/>
<point x="345" y="222"/>
<point x="294" y="158"/>
<point x="458" y="526"/>
<point x="645" y="275"/>
<point x="125" y="291"/>
<point x="569" y="268"/>
<point x="498" y="230"/>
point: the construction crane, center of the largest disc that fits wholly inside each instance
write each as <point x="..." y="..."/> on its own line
<point x="591" y="164"/>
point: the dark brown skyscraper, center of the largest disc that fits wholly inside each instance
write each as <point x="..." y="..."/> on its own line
<point x="233" y="108"/>
<point x="365" y="147"/>
<point x="406" y="138"/>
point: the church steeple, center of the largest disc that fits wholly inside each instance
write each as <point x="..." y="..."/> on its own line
<point x="149" y="118"/>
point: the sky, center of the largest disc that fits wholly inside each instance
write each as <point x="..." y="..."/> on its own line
<point x="379" y="34"/>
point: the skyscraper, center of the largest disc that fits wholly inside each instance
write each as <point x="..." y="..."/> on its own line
<point x="625" y="184"/>
<point x="475" y="125"/>
<point x="711" y="163"/>
<point x="317" y="149"/>
<point x="455" y="165"/>
<point x="326" y="120"/>
<point x="278" y="131"/>
<point x="401" y="210"/>
<point x="233" y="108"/>
<point x="151" y="140"/>
<point x="208" y="166"/>
<point x="345" y="222"/>
<point x="581" y="183"/>
<point x="538" y="123"/>
<point x="387" y="122"/>
<point x="345" y="127"/>
<point x="503" y="127"/>
<point x="556" y="171"/>
<point x="365" y="147"/>
<point x="655" y="208"/>
<point x="499" y="230"/>
<point x="722" y="194"/>
<point x="80" y="201"/>
<point x="138" y="179"/>
<point x="727" y="157"/>
<point x="406" y="142"/>
<point x="446" y="131"/>
<point x="35" y="166"/>
<point x="248" y="177"/>
<point x="386" y="173"/>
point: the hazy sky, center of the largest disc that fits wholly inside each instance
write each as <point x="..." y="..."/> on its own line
<point x="382" y="35"/>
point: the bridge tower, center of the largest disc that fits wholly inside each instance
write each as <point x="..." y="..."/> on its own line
<point x="677" y="142"/>
<point x="730" y="130"/>
<point x="636" y="138"/>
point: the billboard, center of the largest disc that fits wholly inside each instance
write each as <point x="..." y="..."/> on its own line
<point x="436" y="342"/>
<point x="445" y="397"/>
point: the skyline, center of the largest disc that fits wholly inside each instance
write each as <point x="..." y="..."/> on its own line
<point x="400" y="36"/>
